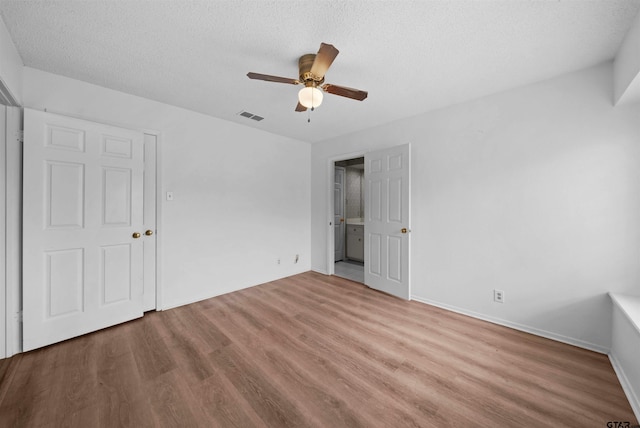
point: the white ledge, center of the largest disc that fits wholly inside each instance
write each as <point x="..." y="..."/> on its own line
<point x="630" y="306"/>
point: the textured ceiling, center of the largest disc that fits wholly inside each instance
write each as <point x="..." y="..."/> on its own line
<point x="412" y="57"/>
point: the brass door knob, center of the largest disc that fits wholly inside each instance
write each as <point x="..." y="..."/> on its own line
<point x="403" y="230"/>
<point x="136" y="235"/>
<point x="148" y="232"/>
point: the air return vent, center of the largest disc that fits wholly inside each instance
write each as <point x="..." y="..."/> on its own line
<point x="251" y="116"/>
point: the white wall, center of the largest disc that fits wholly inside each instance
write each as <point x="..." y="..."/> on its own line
<point x="10" y="64"/>
<point x="241" y="195"/>
<point x="534" y="191"/>
<point x="626" y="70"/>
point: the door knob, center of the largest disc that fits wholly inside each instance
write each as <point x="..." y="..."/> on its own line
<point x="148" y="232"/>
<point x="136" y="235"/>
<point x="403" y="230"/>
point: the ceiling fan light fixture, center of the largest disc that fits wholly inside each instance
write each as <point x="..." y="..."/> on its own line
<point x="310" y="97"/>
<point x="312" y="69"/>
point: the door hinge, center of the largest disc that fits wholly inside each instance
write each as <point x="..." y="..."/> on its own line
<point x="20" y="136"/>
<point x="19" y="316"/>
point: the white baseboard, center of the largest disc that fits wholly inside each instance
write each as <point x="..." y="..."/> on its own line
<point x="220" y="292"/>
<point x="516" y="326"/>
<point x="627" y="387"/>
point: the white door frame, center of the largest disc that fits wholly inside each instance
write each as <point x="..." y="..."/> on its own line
<point x="153" y="140"/>
<point x="331" y="257"/>
<point x="343" y="216"/>
<point x="3" y="240"/>
<point x="13" y="220"/>
<point x="13" y="232"/>
<point x="159" y="228"/>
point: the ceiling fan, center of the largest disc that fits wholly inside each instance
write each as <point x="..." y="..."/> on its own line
<point x="312" y="68"/>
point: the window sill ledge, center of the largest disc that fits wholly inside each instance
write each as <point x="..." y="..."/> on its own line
<point x="630" y="306"/>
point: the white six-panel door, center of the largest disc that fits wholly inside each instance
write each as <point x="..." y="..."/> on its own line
<point x="82" y="205"/>
<point x="387" y="220"/>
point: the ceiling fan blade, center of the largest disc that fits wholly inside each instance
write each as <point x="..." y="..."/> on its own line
<point x="343" y="91"/>
<point x="300" y="107"/>
<point x="324" y="59"/>
<point x="270" y="78"/>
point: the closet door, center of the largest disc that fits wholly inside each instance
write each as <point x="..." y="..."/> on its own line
<point x="82" y="229"/>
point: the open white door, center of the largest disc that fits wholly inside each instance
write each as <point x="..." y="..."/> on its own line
<point x="82" y="229"/>
<point x="387" y="220"/>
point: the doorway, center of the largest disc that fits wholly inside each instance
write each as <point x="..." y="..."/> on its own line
<point x="386" y="219"/>
<point x="349" y="219"/>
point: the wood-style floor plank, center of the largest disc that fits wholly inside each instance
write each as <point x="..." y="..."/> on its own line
<point x="309" y="351"/>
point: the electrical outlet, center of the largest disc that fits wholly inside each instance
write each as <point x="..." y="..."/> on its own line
<point x="297" y="258"/>
<point x="498" y="296"/>
<point x="169" y="196"/>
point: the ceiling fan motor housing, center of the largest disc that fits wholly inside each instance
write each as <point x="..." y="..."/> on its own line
<point x="304" y="65"/>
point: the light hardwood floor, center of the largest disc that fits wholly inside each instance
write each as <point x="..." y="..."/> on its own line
<point x="310" y="350"/>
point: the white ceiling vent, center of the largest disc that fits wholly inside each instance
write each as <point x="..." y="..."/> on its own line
<point x="251" y="116"/>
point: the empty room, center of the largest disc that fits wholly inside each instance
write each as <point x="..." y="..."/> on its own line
<point x="320" y="214"/>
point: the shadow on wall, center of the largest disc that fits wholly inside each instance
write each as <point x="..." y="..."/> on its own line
<point x="582" y="321"/>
